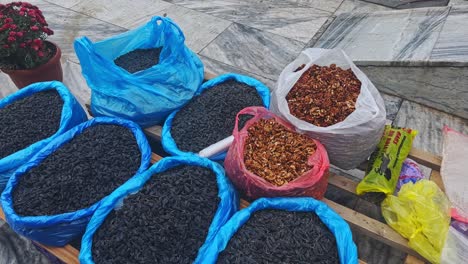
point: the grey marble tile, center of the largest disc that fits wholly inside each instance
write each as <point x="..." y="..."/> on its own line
<point x="7" y="87"/>
<point x="63" y="3"/>
<point x="386" y="38"/>
<point x="327" y="5"/>
<point x="253" y="50"/>
<point x="458" y="2"/>
<point x="341" y="197"/>
<point x="360" y="6"/>
<point x="371" y="250"/>
<point x="405" y="4"/>
<point x="354" y="174"/>
<point x="392" y="105"/>
<point x="199" y="28"/>
<point x="375" y="252"/>
<point x="429" y="123"/>
<point x="126" y="14"/>
<point x="69" y="25"/>
<point x="443" y="88"/>
<point x="74" y="80"/>
<point x="15" y="249"/>
<point x="284" y="18"/>
<point x="216" y="67"/>
<point x="452" y="44"/>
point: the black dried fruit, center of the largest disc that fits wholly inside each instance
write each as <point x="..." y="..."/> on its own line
<point x="167" y="221"/>
<point x="210" y="117"/>
<point x="29" y="120"/>
<point x="275" y="236"/>
<point x="139" y="59"/>
<point x="80" y="173"/>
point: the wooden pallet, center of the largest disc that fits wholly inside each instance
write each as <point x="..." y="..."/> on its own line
<point x="362" y="223"/>
<point x="359" y="222"/>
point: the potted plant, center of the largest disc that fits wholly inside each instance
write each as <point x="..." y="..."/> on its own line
<point x="24" y="54"/>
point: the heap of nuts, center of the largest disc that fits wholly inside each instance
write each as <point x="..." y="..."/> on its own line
<point x="275" y="153"/>
<point x="324" y="96"/>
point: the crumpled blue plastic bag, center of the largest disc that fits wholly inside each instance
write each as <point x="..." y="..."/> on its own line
<point x="72" y="115"/>
<point x="148" y="96"/>
<point x="347" y="250"/>
<point x="58" y="230"/>
<point x="167" y="140"/>
<point x="228" y="205"/>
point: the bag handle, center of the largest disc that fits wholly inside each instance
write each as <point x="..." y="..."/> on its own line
<point x="251" y="110"/>
<point x="156" y="19"/>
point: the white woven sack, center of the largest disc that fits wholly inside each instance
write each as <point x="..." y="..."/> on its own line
<point x="351" y="141"/>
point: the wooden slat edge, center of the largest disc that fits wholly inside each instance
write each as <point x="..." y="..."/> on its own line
<point x="413" y="260"/>
<point x="425" y="158"/>
<point x="67" y="254"/>
<point x="437" y="178"/>
<point x="372" y="228"/>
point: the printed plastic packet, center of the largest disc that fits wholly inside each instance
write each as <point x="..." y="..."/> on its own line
<point x="385" y="163"/>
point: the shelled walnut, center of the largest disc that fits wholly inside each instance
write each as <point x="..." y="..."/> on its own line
<point x="277" y="154"/>
<point x="324" y="96"/>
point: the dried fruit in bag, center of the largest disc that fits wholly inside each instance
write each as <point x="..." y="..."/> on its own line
<point x="277" y="154"/>
<point x="385" y="163"/>
<point x="324" y="96"/>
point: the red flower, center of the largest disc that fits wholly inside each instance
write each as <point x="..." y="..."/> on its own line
<point x="33" y="20"/>
<point x="22" y="45"/>
<point x="23" y="9"/>
<point x="19" y="34"/>
<point x="34" y="28"/>
<point x="35" y="47"/>
<point x="37" y="42"/>
<point x="6" y="46"/>
<point x="40" y="54"/>
<point x="31" y="13"/>
<point x="11" y="39"/>
<point x="13" y="26"/>
<point x="12" y="34"/>
<point x="21" y="13"/>
<point x="8" y="20"/>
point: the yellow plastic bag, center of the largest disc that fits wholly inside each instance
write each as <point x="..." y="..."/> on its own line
<point x="420" y="213"/>
<point x="385" y="163"/>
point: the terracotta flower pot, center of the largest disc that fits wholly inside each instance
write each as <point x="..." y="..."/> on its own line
<point x="49" y="71"/>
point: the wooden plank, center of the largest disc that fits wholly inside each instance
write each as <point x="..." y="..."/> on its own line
<point x="437" y="178"/>
<point x="372" y="228"/>
<point x="67" y="254"/>
<point x="413" y="260"/>
<point x="425" y="158"/>
<point x="342" y="182"/>
<point x="155" y="158"/>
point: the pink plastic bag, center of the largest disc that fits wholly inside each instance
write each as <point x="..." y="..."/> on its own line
<point x="313" y="183"/>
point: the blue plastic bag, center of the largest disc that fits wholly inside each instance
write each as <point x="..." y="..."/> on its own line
<point x="168" y="142"/>
<point x="228" y="205"/>
<point x="58" y="230"/>
<point x="347" y="250"/>
<point x="72" y="115"/>
<point x="148" y="96"/>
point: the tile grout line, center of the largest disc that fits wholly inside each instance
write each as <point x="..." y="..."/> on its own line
<point x="235" y="22"/>
<point x="217" y="36"/>
<point x="84" y="14"/>
<point x="440" y="32"/>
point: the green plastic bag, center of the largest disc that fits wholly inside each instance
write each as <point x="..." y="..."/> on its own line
<point x="385" y="163"/>
<point x="420" y="213"/>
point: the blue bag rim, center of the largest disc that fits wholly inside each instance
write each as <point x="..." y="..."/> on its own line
<point x="30" y="90"/>
<point x="6" y="199"/>
<point x="136" y="75"/>
<point x="226" y="192"/>
<point x="335" y="223"/>
<point x="168" y="141"/>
